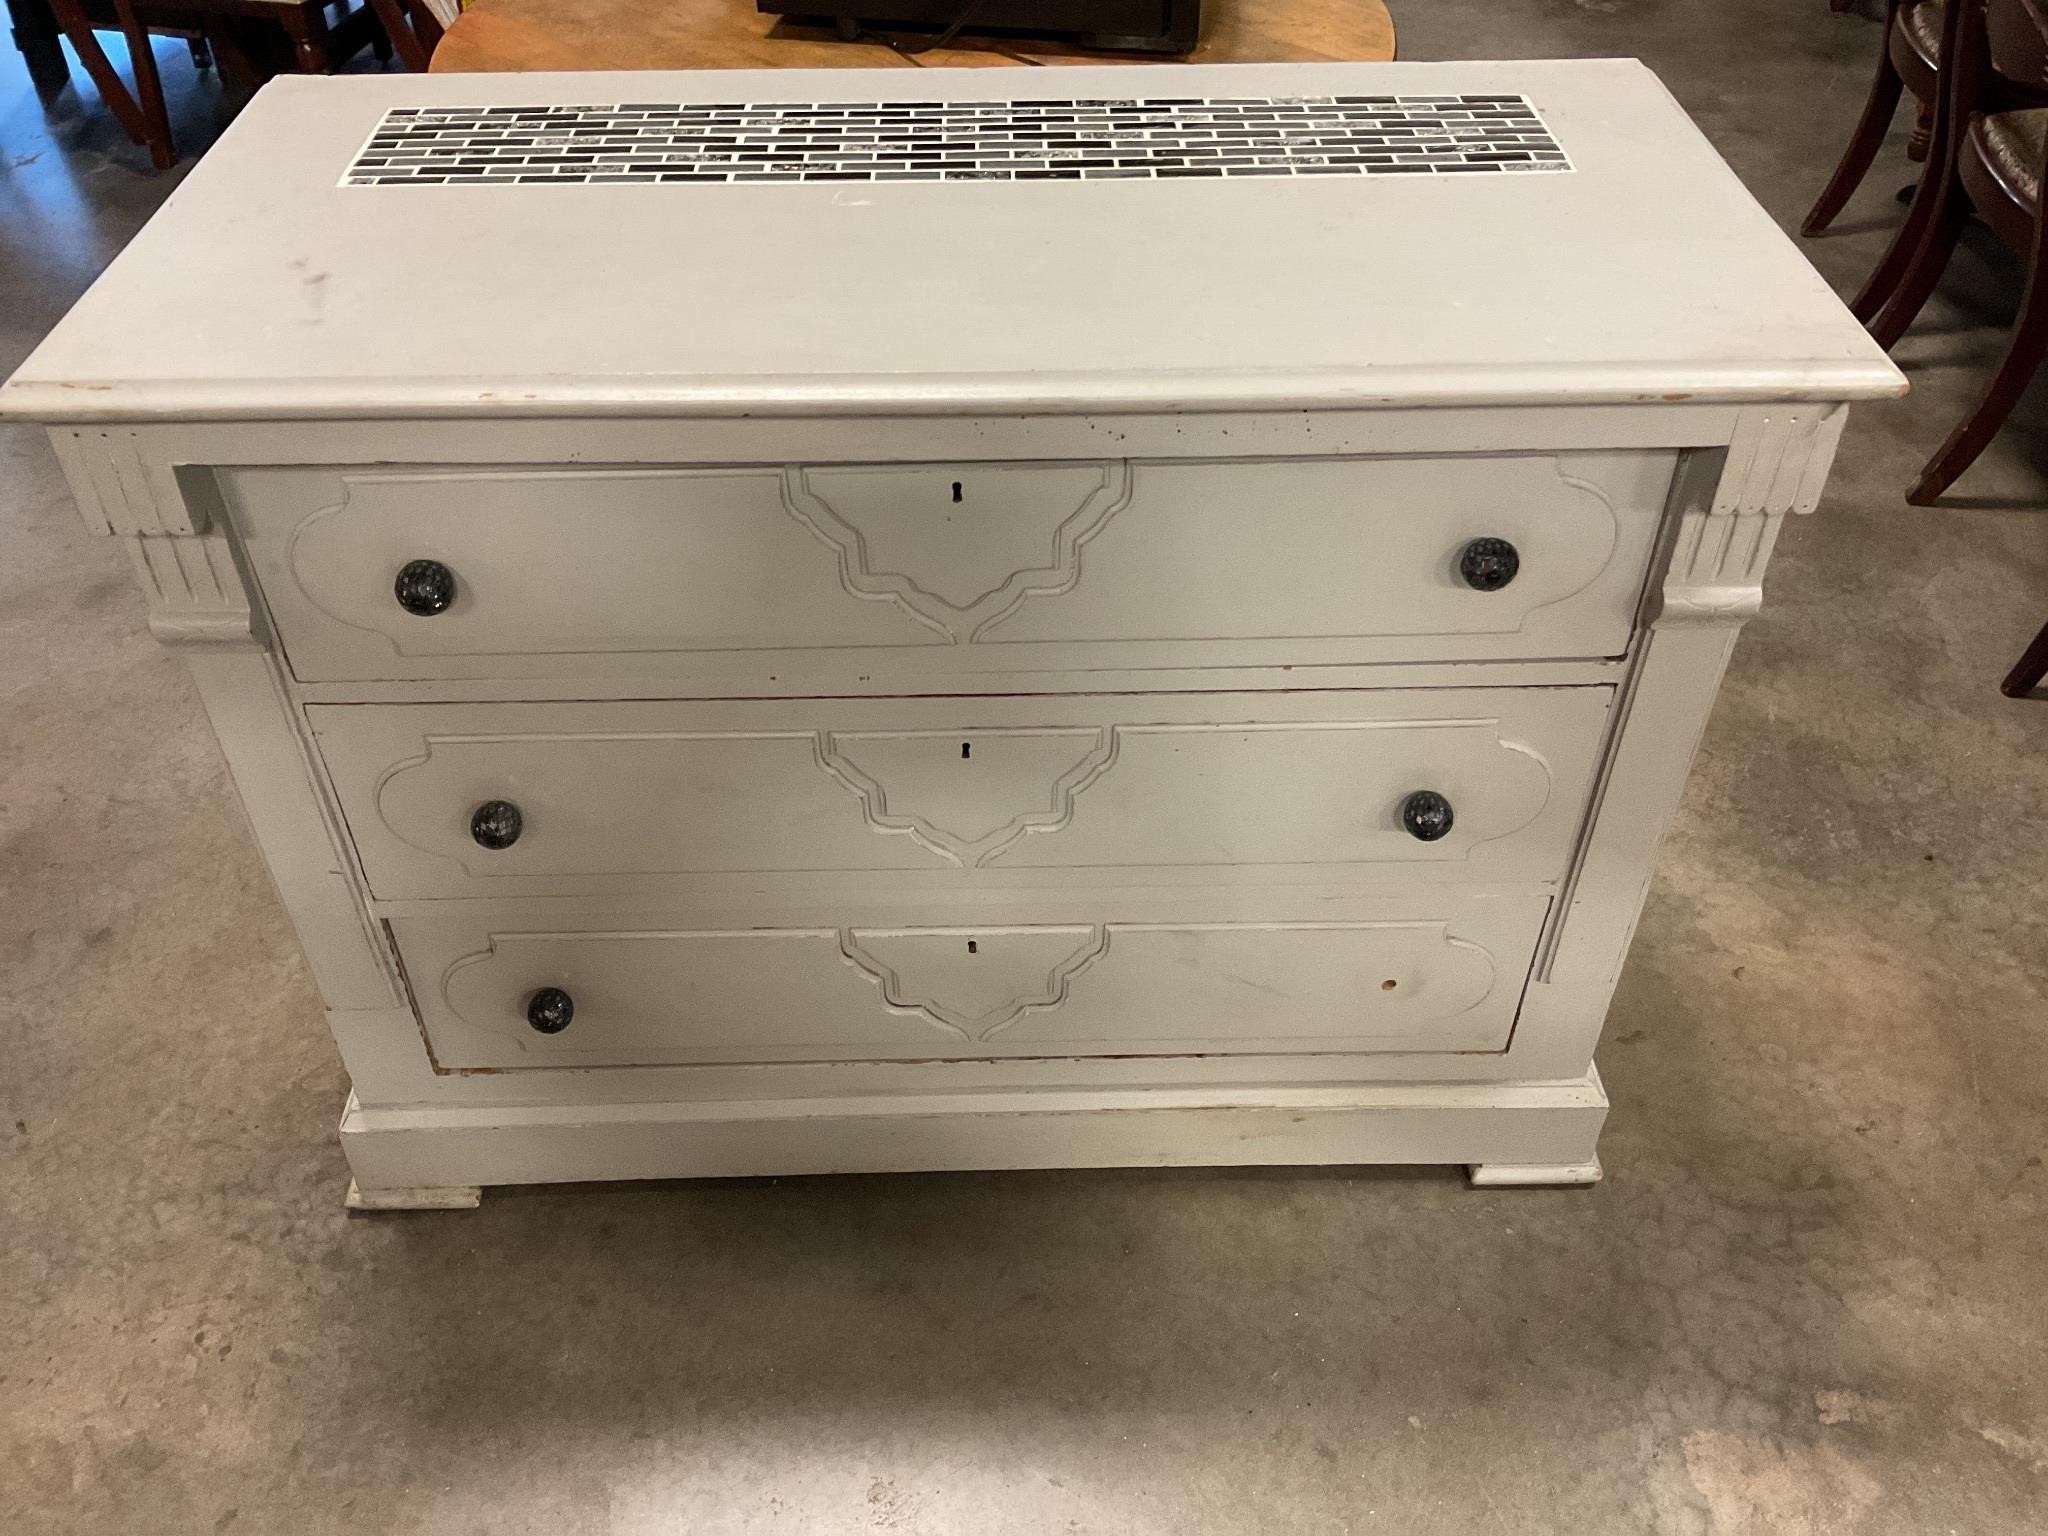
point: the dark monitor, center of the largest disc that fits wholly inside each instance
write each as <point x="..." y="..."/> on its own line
<point x="1144" y="26"/>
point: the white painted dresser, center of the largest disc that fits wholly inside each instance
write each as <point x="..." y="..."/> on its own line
<point x="771" y="623"/>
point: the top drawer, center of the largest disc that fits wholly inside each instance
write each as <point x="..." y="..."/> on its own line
<point x="878" y="574"/>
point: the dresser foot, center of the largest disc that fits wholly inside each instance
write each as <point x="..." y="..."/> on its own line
<point x="452" y="1197"/>
<point x="1531" y="1175"/>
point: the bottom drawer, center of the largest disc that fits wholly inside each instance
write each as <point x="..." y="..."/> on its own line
<point x="1434" y="972"/>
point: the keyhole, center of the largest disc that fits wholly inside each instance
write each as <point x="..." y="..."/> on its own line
<point x="956" y="490"/>
<point x="972" y="948"/>
<point x="966" y="750"/>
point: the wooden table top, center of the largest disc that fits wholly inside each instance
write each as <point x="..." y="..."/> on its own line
<point x="731" y="34"/>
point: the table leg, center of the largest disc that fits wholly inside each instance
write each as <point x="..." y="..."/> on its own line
<point x="142" y="114"/>
<point x="149" y="88"/>
<point x="308" y="32"/>
<point x="41" y="43"/>
<point x="239" y="73"/>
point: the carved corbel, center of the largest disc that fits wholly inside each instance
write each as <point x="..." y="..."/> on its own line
<point x="1730" y="507"/>
<point x="196" y="595"/>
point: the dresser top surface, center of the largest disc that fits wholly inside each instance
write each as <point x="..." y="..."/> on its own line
<point x="1122" y="237"/>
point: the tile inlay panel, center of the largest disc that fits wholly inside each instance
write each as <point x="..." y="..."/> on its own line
<point x="1035" y="140"/>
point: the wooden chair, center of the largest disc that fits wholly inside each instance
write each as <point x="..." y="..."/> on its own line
<point x="250" y="39"/>
<point x="1883" y="283"/>
<point x="1990" y="157"/>
<point x="1909" y="60"/>
<point x="142" y="114"/>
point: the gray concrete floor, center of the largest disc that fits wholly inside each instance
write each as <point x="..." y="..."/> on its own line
<point x="1809" y="1299"/>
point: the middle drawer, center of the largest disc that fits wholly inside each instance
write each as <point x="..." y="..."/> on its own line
<point x="464" y="800"/>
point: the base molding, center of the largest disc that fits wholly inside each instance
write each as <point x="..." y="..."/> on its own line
<point x="1532" y="1175"/>
<point x="436" y="1156"/>
<point x="455" y="1197"/>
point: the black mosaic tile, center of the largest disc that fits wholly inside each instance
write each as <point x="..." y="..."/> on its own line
<point x="1041" y="139"/>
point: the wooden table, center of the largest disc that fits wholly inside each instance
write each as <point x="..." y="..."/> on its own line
<point x="731" y="34"/>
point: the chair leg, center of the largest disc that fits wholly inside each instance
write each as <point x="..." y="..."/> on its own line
<point x="1923" y="133"/>
<point x="1898" y="257"/>
<point x="2002" y="392"/>
<point x="149" y="87"/>
<point x="2028" y="671"/>
<point x="1943" y="222"/>
<point x="1864" y="143"/>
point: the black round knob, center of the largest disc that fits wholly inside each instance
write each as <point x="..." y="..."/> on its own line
<point x="1427" y="815"/>
<point x="424" y="587"/>
<point x="1487" y="565"/>
<point x="496" y="824"/>
<point x="550" y="1009"/>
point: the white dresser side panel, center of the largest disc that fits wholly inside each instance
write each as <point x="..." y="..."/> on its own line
<point x="299" y="832"/>
<point x="1726" y="511"/>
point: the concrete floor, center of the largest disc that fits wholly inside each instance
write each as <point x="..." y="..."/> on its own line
<point x="1808" y="1300"/>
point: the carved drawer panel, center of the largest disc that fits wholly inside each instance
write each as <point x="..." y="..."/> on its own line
<point x="976" y="568"/>
<point x="565" y="799"/>
<point x="1441" y="972"/>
